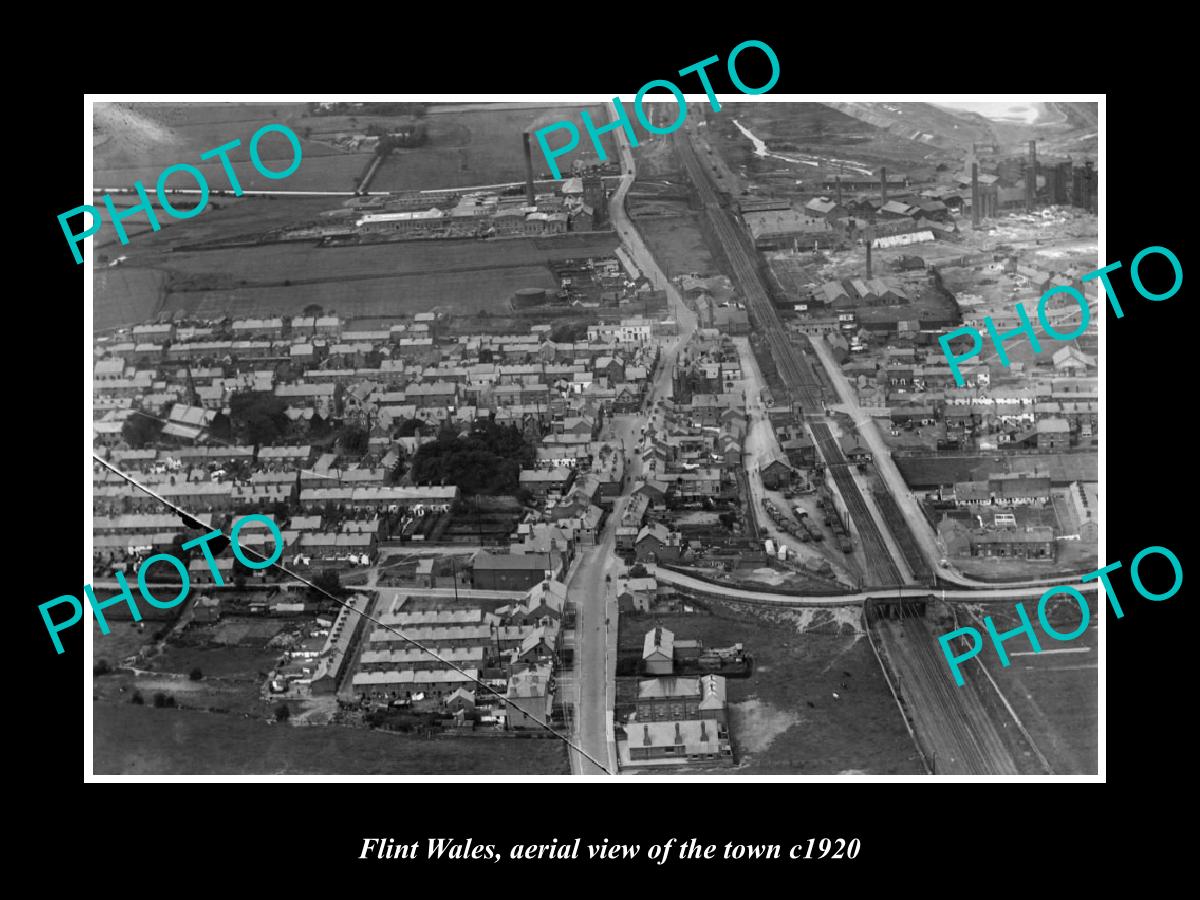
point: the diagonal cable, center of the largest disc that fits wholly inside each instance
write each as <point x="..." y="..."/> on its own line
<point x="369" y="618"/>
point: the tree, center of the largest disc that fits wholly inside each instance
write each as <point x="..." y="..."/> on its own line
<point x="221" y="427"/>
<point x="638" y="571"/>
<point x="137" y="699"/>
<point x="313" y="310"/>
<point x="195" y="674"/>
<point x="488" y="460"/>
<point x="354" y="440"/>
<point x="160" y="699"/>
<point x="139" y="430"/>
<point x="282" y="713"/>
<point x="317" y="426"/>
<point x="329" y="581"/>
<point x="101" y="667"/>
<point x="263" y="419"/>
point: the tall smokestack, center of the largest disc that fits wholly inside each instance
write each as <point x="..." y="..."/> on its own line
<point x="867" y="238"/>
<point x="1031" y="177"/>
<point x="838" y="182"/>
<point x="528" y="170"/>
<point x="974" y="195"/>
<point x="883" y="182"/>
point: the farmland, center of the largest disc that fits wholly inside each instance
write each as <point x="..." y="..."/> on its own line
<point x="141" y="740"/>
<point x="785" y="717"/>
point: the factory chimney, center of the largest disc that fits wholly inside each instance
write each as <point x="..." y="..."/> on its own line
<point x="883" y="183"/>
<point x="838" y="182"/>
<point x="1031" y="177"/>
<point x="528" y="170"/>
<point x="867" y="238"/>
<point x="974" y="195"/>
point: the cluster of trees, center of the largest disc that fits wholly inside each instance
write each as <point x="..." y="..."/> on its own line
<point x="568" y="332"/>
<point x="139" y="430"/>
<point x="262" y="419"/>
<point x="486" y="461"/>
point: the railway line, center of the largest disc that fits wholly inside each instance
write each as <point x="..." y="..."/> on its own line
<point x="893" y="518"/>
<point x="796" y="372"/>
<point x="960" y="737"/>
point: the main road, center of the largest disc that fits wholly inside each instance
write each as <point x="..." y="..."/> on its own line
<point x="591" y="585"/>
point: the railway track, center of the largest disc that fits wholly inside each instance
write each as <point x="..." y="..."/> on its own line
<point x="893" y="518"/>
<point x="961" y="738"/>
<point x="881" y="567"/>
<point x="796" y="372"/>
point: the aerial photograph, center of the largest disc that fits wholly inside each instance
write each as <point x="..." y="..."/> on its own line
<point x="450" y="446"/>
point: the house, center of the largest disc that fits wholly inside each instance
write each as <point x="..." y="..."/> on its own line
<point x="547" y="483"/>
<point x="513" y="571"/>
<point x="777" y="474"/>
<point x="636" y="594"/>
<point x="658" y="652"/>
<point x="1035" y="542"/>
<point x="206" y="609"/>
<point x="854" y="450"/>
<point x="1053" y="434"/>
<point x="655" y="493"/>
<point x="678" y="743"/>
<point x="530" y="695"/>
<point x="677" y="698"/>
<point x="655" y="543"/>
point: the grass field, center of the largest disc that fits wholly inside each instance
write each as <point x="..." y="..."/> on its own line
<point x="383" y="279"/>
<point x="1054" y="693"/>
<point x="139" y="140"/>
<point x="132" y="739"/>
<point x="677" y="242"/>
<point x="123" y="640"/>
<point x="784" y="717"/>
<point x="483" y="146"/>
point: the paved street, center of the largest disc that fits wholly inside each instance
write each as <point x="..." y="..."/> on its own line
<point x="595" y="641"/>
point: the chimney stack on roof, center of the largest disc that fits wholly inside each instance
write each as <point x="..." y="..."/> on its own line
<point x="883" y="182"/>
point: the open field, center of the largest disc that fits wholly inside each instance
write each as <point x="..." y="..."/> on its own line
<point x="784" y="717"/>
<point x="477" y="147"/>
<point x="460" y="292"/>
<point x="384" y="279"/>
<point x="1054" y="693"/>
<point x="123" y="640"/>
<point x="676" y="241"/>
<point x="132" y="739"/>
<point x="139" y="140"/>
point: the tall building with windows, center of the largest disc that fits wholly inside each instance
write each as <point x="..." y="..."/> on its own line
<point x="593" y="196"/>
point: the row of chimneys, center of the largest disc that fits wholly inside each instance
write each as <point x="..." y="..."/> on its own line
<point x="646" y="742"/>
<point x="1030" y="184"/>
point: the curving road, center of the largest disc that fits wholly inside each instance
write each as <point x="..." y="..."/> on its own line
<point x="968" y="596"/>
